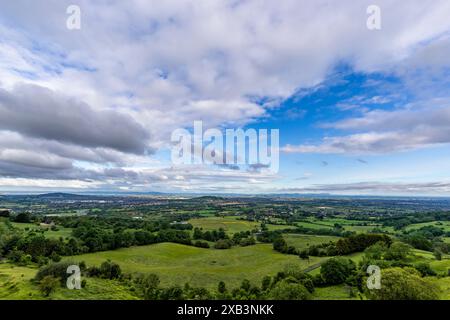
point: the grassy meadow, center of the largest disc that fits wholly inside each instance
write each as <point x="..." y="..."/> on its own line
<point x="177" y="263"/>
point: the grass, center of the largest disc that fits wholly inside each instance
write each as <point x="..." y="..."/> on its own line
<point x="348" y="225"/>
<point x="313" y="225"/>
<point x="178" y="264"/>
<point x="440" y="266"/>
<point x="229" y="223"/>
<point x="15" y="284"/>
<point x="61" y="232"/>
<point x="444" y="225"/>
<point x="302" y="241"/>
<point x="339" y="292"/>
<point x="444" y="286"/>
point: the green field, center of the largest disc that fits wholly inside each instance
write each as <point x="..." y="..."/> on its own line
<point x="177" y="264"/>
<point x="15" y="284"/>
<point x="348" y="225"/>
<point x="445" y="225"/>
<point x="230" y="224"/>
<point x="444" y="286"/>
<point x="302" y="241"/>
<point x="339" y="292"/>
<point x="61" y="232"/>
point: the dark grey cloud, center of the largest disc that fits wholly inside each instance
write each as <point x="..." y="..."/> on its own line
<point x="38" y="112"/>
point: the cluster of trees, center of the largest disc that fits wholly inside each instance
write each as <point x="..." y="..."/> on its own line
<point x="24" y="249"/>
<point x="427" y="238"/>
<point x="212" y="236"/>
<point x="243" y="239"/>
<point x="280" y="245"/>
<point x="399" y="279"/>
<point x="401" y="221"/>
<point x="290" y="284"/>
<point x="54" y="275"/>
<point x="221" y="239"/>
<point x="351" y="244"/>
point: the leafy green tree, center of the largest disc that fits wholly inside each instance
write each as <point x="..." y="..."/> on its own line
<point x="23" y="217"/>
<point x="304" y="255"/>
<point x="337" y="270"/>
<point x="289" y="291"/>
<point x="280" y="245"/>
<point x="438" y="254"/>
<point x="425" y="269"/>
<point x="55" y="270"/>
<point x="403" y="284"/>
<point x="149" y="284"/>
<point x="398" y="251"/>
<point x="223" y="244"/>
<point x="110" y="270"/>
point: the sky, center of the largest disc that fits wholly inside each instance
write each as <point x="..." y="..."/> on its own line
<point x="360" y="111"/>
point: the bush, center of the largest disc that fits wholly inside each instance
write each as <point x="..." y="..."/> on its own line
<point x="289" y="291"/>
<point x="403" y="284"/>
<point x="247" y="242"/>
<point x="55" y="270"/>
<point x="223" y="244"/>
<point x="48" y="284"/>
<point x="172" y="293"/>
<point x="425" y="269"/>
<point x="110" y="270"/>
<point x="337" y="270"/>
<point x="201" y="244"/>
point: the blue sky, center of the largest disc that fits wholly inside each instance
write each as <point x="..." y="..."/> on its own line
<point x="359" y="111"/>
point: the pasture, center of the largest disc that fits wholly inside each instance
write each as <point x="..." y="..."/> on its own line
<point x="16" y="284"/>
<point x="54" y="234"/>
<point x="303" y="241"/>
<point x="178" y="264"/>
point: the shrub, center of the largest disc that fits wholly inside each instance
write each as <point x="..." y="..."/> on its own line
<point x="48" y="284"/>
<point x="289" y="291"/>
<point x="55" y="270"/>
<point x="223" y="244"/>
<point x="110" y="270"/>
<point x="337" y="270"/>
<point x="201" y="244"/>
<point x="425" y="269"/>
<point x="402" y="284"/>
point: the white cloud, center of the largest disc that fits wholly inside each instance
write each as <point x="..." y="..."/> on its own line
<point x="167" y="63"/>
<point x="419" y="125"/>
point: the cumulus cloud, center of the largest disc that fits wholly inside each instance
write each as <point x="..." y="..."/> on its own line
<point x="377" y="187"/>
<point x="114" y="90"/>
<point x="415" y="126"/>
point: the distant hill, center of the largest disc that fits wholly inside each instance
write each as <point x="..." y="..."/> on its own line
<point x="210" y="198"/>
<point x="59" y="195"/>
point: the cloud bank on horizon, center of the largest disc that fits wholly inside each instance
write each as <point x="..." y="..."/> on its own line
<point x="359" y="111"/>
